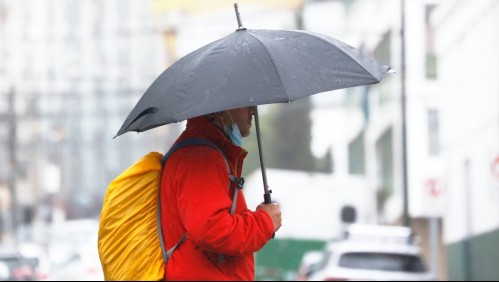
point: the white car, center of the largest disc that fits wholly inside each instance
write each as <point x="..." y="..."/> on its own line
<point x="369" y="253"/>
<point x="309" y="263"/>
<point x="4" y="271"/>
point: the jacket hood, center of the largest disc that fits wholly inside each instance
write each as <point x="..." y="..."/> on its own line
<point x="200" y="127"/>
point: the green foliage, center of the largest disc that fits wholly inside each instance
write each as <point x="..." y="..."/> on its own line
<point x="280" y="259"/>
<point x="286" y="139"/>
<point x="291" y="136"/>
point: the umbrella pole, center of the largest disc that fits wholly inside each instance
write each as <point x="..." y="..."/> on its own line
<point x="266" y="196"/>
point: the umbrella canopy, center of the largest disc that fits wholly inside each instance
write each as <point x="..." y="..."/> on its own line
<point x="249" y="68"/>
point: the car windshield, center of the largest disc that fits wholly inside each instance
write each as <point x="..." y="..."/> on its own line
<point x="11" y="262"/>
<point x="382" y="261"/>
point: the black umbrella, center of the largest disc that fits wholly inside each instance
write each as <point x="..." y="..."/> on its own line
<point x="251" y="68"/>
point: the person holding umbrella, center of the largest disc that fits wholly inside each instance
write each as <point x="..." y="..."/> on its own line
<point x="197" y="200"/>
<point x="217" y="89"/>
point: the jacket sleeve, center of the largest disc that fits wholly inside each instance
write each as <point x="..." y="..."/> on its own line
<point x="202" y="185"/>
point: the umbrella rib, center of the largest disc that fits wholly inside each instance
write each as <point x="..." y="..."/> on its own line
<point x="342" y="51"/>
<point x="205" y="55"/>
<point x="273" y="64"/>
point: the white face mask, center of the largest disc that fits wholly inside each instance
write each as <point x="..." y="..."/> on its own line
<point x="234" y="133"/>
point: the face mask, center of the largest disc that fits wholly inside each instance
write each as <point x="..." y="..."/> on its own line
<point x="234" y="134"/>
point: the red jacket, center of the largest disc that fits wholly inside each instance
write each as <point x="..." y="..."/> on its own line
<point x="195" y="198"/>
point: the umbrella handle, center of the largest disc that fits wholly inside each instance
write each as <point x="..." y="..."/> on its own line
<point x="267" y="199"/>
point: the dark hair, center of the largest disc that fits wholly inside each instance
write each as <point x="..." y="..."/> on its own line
<point x="211" y="117"/>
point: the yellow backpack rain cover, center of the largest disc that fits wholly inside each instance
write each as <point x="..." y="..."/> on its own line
<point x="129" y="247"/>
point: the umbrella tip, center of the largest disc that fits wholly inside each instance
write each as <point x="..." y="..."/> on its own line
<point x="239" y="23"/>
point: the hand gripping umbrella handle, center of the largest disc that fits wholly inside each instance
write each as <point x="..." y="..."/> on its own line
<point x="267" y="199"/>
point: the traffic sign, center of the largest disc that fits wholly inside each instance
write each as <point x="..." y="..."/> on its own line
<point x="434" y="188"/>
<point x="495" y="168"/>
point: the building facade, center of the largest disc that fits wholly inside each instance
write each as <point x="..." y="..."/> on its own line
<point x="74" y="70"/>
<point x="467" y="45"/>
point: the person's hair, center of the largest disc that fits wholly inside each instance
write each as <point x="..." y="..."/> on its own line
<point x="211" y="117"/>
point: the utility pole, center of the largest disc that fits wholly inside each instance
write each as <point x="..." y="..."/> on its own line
<point x="12" y="120"/>
<point x="405" y="188"/>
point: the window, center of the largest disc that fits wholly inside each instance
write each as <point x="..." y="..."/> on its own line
<point x="383" y="53"/>
<point x="433" y="132"/>
<point x="382" y="261"/>
<point x="384" y="166"/>
<point x="431" y="58"/>
<point x="356" y="155"/>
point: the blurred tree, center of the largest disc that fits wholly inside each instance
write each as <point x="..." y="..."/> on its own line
<point x="290" y="137"/>
<point x="286" y="139"/>
<point x="252" y="161"/>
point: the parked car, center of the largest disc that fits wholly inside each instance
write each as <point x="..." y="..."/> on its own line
<point x="17" y="265"/>
<point x="309" y="264"/>
<point x="37" y="258"/>
<point x="4" y="271"/>
<point x="369" y="253"/>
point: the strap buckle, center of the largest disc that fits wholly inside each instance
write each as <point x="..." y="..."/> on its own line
<point x="239" y="181"/>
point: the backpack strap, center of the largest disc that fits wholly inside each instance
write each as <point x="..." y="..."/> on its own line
<point x="232" y="178"/>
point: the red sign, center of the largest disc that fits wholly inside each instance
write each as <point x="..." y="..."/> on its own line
<point x="495" y="168"/>
<point x="434" y="187"/>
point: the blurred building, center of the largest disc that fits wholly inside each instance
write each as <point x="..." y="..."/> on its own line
<point x="369" y="146"/>
<point x="467" y="48"/>
<point x="311" y="202"/>
<point x="452" y="115"/>
<point x="74" y="69"/>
